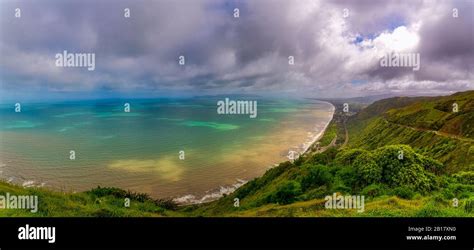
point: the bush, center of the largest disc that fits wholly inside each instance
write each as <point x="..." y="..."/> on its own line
<point x="388" y="158"/>
<point x="286" y="193"/>
<point x="257" y="183"/>
<point x="469" y="205"/>
<point x="456" y="190"/>
<point x="347" y="157"/>
<point x="316" y="193"/>
<point x="324" y="158"/>
<point x="430" y="164"/>
<point x="404" y="192"/>
<point x="108" y="191"/>
<point x="166" y="204"/>
<point x="103" y="212"/>
<point x="404" y="171"/>
<point x="100" y="192"/>
<point x="119" y="193"/>
<point x="465" y="177"/>
<point x="367" y="170"/>
<point x="374" y="190"/>
<point x="430" y="210"/>
<point x="413" y="177"/>
<point x="314" y="176"/>
<point x="341" y="188"/>
<point x="348" y="176"/>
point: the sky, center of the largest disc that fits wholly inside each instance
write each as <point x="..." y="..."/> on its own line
<point x="337" y="46"/>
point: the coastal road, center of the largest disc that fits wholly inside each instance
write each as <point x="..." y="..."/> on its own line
<point x="444" y="134"/>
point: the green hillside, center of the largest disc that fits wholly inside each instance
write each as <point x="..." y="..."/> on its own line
<point x="429" y="125"/>
<point x="381" y="106"/>
<point x="414" y="186"/>
<point x="98" y="202"/>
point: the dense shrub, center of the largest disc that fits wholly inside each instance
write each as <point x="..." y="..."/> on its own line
<point x="166" y="204"/>
<point x="394" y="165"/>
<point x="286" y="193"/>
<point x="388" y="158"/>
<point x="404" y="192"/>
<point x="457" y="190"/>
<point x="404" y="171"/>
<point x="340" y="188"/>
<point x="103" y="212"/>
<point x="367" y="170"/>
<point x="465" y="177"/>
<point x="374" y="190"/>
<point x="430" y="210"/>
<point x="430" y="164"/>
<point x="347" y="175"/>
<point x="413" y="177"/>
<point x="316" y="193"/>
<point x="469" y="205"/>
<point x="324" y="158"/>
<point x="247" y="189"/>
<point x="314" y="176"/>
<point x="106" y="191"/>
<point x="347" y="157"/>
<point x="255" y="184"/>
<point x="119" y="193"/>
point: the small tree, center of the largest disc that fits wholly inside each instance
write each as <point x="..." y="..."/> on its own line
<point x="367" y="170"/>
<point x="315" y="176"/>
<point x="286" y="193"/>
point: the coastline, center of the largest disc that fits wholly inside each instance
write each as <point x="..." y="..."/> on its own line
<point x="321" y="133"/>
<point x="219" y="191"/>
<point x="215" y="194"/>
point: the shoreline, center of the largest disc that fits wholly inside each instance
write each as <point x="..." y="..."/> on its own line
<point x="217" y="193"/>
<point x="321" y="133"/>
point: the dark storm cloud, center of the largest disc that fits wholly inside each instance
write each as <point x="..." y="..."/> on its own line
<point x="448" y="45"/>
<point x="248" y="54"/>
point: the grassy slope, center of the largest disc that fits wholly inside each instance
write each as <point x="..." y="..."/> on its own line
<point x="386" y="206"/>
<point x="84" y="204"/>
<point x="427" y="124"/>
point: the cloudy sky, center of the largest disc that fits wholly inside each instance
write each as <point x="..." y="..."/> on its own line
<point x="337" y="46"/>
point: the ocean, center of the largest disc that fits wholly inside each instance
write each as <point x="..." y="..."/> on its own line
<point x="177" y="148"/>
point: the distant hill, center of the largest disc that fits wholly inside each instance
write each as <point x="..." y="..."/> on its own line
<point x="359" y="100"/>
<point x="381" y="106"/>
<point x="437" y="114"/>
<point x="428" y="124"/>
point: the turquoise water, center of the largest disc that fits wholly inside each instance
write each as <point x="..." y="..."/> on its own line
<point x="140" y="150"/>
